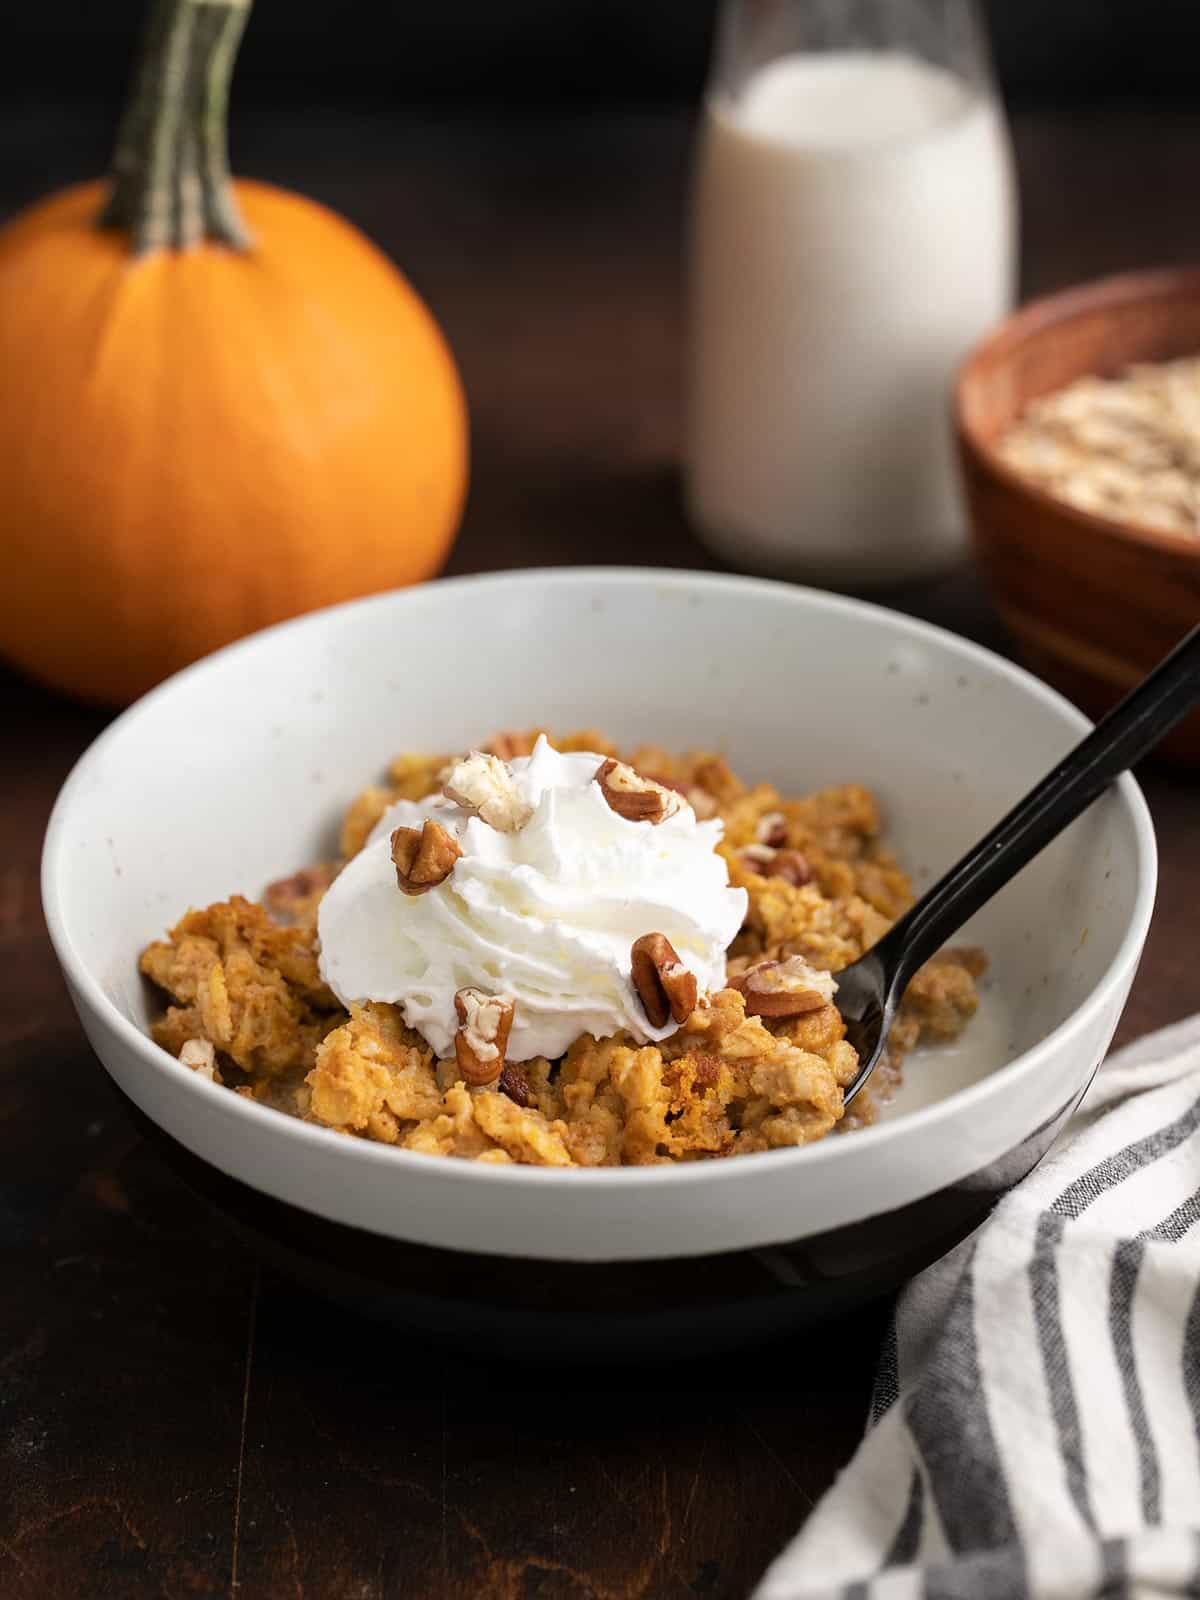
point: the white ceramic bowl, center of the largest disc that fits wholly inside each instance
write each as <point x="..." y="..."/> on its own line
<point x="235" y="771"/>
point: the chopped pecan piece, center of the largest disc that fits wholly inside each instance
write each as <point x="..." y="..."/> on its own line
<point x="790" y="865"/>
<point x="483" y="784"/>
<point x="289" y="898"/>
<point x="793" y="866"/>
<point x="701" y="802"/>
<point x="772" y="829"/>
<point x="201" y="1057"/>
<point x="665" y="986"/>
<point x="510" y="744"/>
<point x="424" y="857"/>
<point x="635" y="798"/>
<point x="760" y="858"/>
<point x="485" y="1023"/>
<point x="515" y="1085"/>
<point x="784" y="988"/>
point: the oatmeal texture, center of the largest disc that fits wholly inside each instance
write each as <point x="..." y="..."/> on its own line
<point x="249" y="1009"/>
<point x="1125" y="447"/>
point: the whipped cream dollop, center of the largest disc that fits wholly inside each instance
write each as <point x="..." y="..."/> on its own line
<point x="547" y="914"/>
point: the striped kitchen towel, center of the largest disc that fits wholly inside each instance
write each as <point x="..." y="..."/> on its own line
<point x="1036" y="1425"/>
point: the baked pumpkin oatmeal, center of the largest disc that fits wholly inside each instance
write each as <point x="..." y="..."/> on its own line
<point x="548" y="952"/>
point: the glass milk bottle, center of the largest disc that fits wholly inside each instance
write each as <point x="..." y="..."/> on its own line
<point x="854" y="233"/>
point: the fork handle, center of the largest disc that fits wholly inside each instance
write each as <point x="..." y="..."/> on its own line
<point x="1131" y="729"/>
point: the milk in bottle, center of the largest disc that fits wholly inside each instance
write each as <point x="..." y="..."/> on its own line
<point x="854" y="235"/>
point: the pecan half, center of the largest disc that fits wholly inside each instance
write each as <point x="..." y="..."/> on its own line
<point x="485" y="1022"/>
<point x="665" y="986"/>
<point x="424" y="857"/>
<point x="772" y="829"/>
<point x="784" y="988"/>
<point x="483" y="785"/>
<point x="515" y="1085"/>
<point x="635" y="798"/>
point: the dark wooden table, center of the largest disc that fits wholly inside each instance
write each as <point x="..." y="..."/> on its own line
<point x="176" y="1422"/>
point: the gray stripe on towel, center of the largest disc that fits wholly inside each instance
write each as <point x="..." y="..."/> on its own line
<point x="908" y="1535"/>
<point x="989" y="1575"/>
<point x="1171" y="1229"/>
<point x="1191" y="1366"/>
<point x="887" y="1379"/>
<point x="1122" y="1287"/>
<point x="1056" y="1363"/>
<point x="1114" y="1584"/>
<point x="1122" y="1164"/>
<point x="951" y="1429"/>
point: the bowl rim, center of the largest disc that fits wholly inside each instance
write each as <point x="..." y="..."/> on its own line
<point x="1027" y="324"/>
<point x="88" y="991"/>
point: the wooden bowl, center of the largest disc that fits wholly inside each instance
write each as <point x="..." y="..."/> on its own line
<point x="1093" y="602"/>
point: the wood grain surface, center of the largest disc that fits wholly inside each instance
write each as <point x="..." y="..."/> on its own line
<point x="174" y="1422"/>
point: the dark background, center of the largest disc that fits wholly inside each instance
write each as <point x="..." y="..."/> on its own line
<point x="1059" y="52"/>
<point x="175" y="1420"/>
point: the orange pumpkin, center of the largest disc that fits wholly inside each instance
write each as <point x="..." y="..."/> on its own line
<point x="249" y="415"/>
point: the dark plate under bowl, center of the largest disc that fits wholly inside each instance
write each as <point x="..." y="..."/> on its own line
<point x="584" y="1312"/>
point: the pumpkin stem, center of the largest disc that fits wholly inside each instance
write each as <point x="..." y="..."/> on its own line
<point x="170" y="174"/>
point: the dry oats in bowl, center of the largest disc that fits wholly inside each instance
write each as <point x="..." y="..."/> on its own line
<point x="867" y="726"/>
<point x="1078" y="425"/>
<point x="1126" y="447"/>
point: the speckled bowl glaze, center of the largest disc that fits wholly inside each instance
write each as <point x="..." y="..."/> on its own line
<point x="234" y="772"/>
